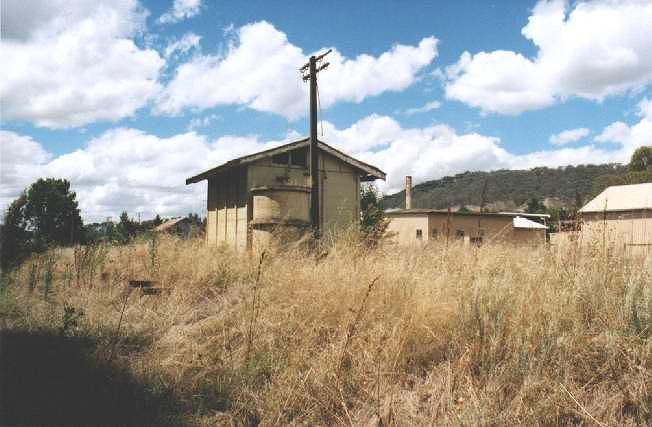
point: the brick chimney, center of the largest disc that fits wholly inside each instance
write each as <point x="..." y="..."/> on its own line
<point x="408" y="192"/>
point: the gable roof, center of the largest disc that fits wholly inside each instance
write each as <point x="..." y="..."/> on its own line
<point x="367" y="172"/>
<point x="169" y="224"/>
<point x="622" y="198"/>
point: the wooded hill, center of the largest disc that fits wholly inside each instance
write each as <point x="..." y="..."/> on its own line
<point x="508" y="189"/>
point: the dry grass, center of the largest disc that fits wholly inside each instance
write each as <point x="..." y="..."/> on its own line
<point x="442" y="336"/>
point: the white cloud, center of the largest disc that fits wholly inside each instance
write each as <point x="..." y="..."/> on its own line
<point x="429" y="106"/>
<point x="436" y="151"/>
<point x="185" y="44"/>
<point x="20" y="164"/>
<point x="128" y="169"/>
<point x="260" y="70"/>
<point x="634" y="136"/>
<point x="181" y="9"/>
<point x="70" y="63"/>
<point x="124" y="169"/>
<point x="568" y="136"/>
<point x="202" y="122"/>
<point x="598" y="49"/>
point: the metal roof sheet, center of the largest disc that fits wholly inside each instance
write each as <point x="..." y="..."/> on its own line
<point x="622" y="198"/>
<point x="520" y="222"/>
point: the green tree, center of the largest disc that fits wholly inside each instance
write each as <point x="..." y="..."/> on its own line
<point x="535" y="206"/>
<point x="641" y="159"/>
<point x="126" y="229"/>
<point x="44" y="215"/>
<point x="373" y="223"/>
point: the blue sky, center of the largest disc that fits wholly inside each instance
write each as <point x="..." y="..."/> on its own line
<point x="126" y="98"/>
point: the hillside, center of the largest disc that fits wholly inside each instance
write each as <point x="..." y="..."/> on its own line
<point x="507" y="189"/>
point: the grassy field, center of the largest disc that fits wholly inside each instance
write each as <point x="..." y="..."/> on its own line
<point x="447" y="335"/>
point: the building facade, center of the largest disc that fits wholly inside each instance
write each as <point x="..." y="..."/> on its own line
<point x="253" y="197"/>
<point x="623" y="215"/>
<point x="420" y="226"/>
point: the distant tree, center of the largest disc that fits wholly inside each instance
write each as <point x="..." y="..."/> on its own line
<point x="126" y="229"/>
<point x="373" y="223"/>
<point x="641" y="159"/>
<point x="463" y="209"/>
<point x="44" y="215"/>
<point x="535" y="206"/>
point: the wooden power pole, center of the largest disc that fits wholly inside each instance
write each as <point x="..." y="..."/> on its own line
<point x="310" y="71"/>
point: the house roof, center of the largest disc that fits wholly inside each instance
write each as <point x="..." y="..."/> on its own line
<point x="520" y="222"/>
<point x="622" y="198"/>
<point x="169" y="224"/>
<point x="367" y="172"/>
<point x="453" y="213"/>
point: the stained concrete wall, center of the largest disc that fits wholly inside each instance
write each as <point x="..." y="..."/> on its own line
<point x="631" y="229"/>
<point x="473" y="228"/>
<point x="232" y="204"/>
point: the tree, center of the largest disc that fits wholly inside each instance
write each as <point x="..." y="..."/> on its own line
<point x="373" y="223"/>
<point x="44" y="215"/>
<point x="535" y="206"/>
<point x="126" y="229"/>
<point x="641" y="159"/>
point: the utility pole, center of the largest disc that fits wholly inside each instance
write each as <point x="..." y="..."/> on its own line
<point x="313" y="67"/>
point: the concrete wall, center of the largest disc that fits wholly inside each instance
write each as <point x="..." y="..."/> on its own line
<point x="630" y="228"/>
<point x="232" y="204"/>
<point x="340" y="194"/>
<point x="473" y="228"/>
<point x="404" y="229"/>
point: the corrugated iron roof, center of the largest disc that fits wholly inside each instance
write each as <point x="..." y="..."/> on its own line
<point x="370" y="172"/>
<point x="622" y="198"/>
<point x="520" y="222"/>
<point x="169" y="224"/>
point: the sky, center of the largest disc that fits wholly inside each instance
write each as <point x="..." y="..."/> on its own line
<point x="127" y="98"/>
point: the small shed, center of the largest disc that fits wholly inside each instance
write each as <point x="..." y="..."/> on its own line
<point x="252" y="197"/>
<point x="623" y="213"/>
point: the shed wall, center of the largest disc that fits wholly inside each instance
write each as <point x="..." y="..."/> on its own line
<point x="228" y="214"/>
<point x="627" y="228"/>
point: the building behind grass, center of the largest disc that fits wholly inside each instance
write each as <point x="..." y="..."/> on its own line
<point x="252" y="197"/>
<point x="622" y="214"/>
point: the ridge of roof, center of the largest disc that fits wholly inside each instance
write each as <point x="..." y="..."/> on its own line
<point x="371" y="171"/>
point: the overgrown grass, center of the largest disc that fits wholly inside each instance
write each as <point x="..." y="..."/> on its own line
<point x="452" y="335"/>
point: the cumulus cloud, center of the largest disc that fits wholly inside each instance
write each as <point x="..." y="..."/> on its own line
<point x="439" y="150"/>
<point x="124" y="169"/>
<point x="181" y="9"/>
<point x="429" y="106"/>
<point x="568" y="136"/>
<point x="128" y="169"/>
<point x="21" y="159"/>
<point x="634" y="136"/>
<point x="67" y="63"/>
<point x="187" y="43"/>
<point x="260" y="70"/>
<point x="598" y="49"/>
